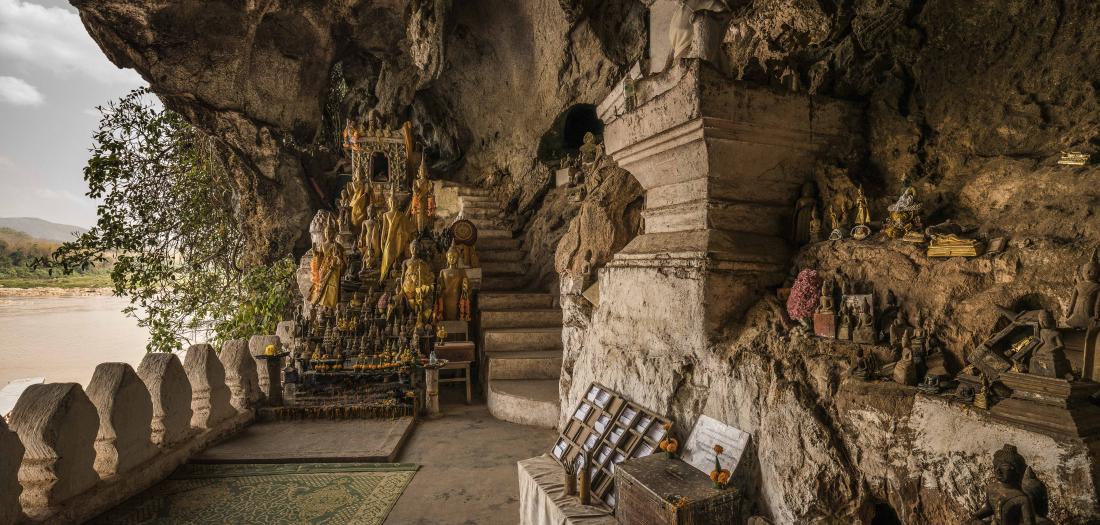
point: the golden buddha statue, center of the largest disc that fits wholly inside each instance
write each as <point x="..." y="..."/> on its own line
<point x="332" y="265"/>
<point x="397" y="230"/>
<point x="453" y="302"/>
<point x="415" y="272"/>
<point x="369" y="242"/>
<point x="359" y="201"/>
<point x="423" y="198"/>
<point x="863" y="216"/>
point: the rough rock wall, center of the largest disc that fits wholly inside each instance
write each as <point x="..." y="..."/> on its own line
<point x="971" y="103"/>
<point x="480" y="81"/>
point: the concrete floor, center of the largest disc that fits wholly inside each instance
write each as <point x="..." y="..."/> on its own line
<point x="468" y="466"/>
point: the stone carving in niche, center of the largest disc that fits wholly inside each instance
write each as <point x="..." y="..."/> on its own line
<point x="1015" y="496"/>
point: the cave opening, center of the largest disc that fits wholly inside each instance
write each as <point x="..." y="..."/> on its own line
<point x="885" y="515"/>
<point x="566" y="134"/>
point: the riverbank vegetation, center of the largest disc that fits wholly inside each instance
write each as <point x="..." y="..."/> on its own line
<point x="169" y="213"/>
<point x="18" y="251"/>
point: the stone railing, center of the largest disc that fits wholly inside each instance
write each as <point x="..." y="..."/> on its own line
<point x="67" y="455"/>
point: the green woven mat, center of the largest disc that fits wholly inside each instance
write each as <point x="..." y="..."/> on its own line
<point x="359" y="493"/>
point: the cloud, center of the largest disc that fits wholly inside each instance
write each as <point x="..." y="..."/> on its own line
<point x="54" y="39"/>
<point x="18" y="92"/>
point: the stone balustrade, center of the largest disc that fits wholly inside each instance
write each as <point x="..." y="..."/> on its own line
<point x="11" y="455"/>
<point x="70" y="455"/>
<point x="171" y="392"/>
<point x="268" y="370"/>
<point x="209" y="393"/>
<point x="125" y="419"/>
<point x="240" y="375"/>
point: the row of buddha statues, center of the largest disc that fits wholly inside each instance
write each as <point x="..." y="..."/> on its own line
<point x="850" y="217"/>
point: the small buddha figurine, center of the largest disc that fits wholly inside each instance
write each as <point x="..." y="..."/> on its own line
<point x="815" y="226"/>
<point x="331" y="270"/>
<point x="590" y="151"/>
<point x="844" y="330"/>
<point x="865" y="329"/>
<point x="861" y="230"/>
<point x="1015" y="496"/>
<point x="453" y="301"/>
<point x="905" y="371"/>
<point x="861" y="365"/>
<point x="825" y="302"/>
<point x="1085" y="301"/>
<point x="834" y="221"/>
<point x="1049" y="360"/>
<point x="397" y="229"/>
<point x="369" y="243"/>
<point x="804" y="211"/>
<point x="423" y="198"/>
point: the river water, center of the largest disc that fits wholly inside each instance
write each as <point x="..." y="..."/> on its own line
<point x="64" y="338"/>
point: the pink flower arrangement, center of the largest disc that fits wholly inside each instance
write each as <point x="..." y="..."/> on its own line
<point x="805" y="294"/>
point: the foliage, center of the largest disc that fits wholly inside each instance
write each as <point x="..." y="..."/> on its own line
<point x="19" y="251"/>
<point x="168" y="212"/>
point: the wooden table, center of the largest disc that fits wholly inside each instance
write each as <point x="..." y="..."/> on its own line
<point x="465" y="378"/>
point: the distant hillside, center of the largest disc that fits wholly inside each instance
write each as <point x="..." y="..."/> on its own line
<point x="41" y="229"/>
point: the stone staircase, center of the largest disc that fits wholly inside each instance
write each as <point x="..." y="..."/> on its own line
<point x="520" y="330"/>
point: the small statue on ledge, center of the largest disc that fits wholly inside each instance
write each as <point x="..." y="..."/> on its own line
<point x="1085" y="301"/>
<point x="423" y="199"/>
<point x="590" y="152"/>
<point x="1015" y="496"/>
<point x="861" y="230"/>
<point x="453" y="303"/>
<point x="815" y="226"/>
<point x="904" y="222"/>
<point x="1049" y="360"/>
<point x="804" y="212"/>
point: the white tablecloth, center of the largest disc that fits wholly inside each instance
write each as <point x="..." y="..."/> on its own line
<point x="542" y="499"/>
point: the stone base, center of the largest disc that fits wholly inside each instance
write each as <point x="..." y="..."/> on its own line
<point x="825" y="325"/>
<point x="364" y="440"/>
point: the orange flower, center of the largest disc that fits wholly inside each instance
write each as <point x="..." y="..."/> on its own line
<point x="714" y="476"/>
<point x="667" y="426"/>
<point x="723" y="477"/>
<point x="718" y="449"/>
<point x="672" y="445"/>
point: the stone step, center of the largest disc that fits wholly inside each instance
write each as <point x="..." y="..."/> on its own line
<point x="540" y="318"/>
<point x="470" y="191"/>
<point x="482" y="198"/>
<point x="504" y="283"/>
<point x="525" y="401"/>
<point x="500" y="255"/>
<point x="521" y="339"/>
<point x="497" y="243"/>
<point x="478" y="214"/>
<point x="485" y="224"/>
<point x="492" y="233"/>
<point x="494" y="268"/>
<point x="538" y="364"/>
<point x="505" y="301"/>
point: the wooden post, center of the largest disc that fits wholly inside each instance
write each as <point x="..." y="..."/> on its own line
<point x="431" y="388"/>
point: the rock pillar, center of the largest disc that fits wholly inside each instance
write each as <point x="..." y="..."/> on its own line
<point x="209" y="393"/>
<point x="11" y="455"/>
<point x="125" y="411"/>
<point x="167" y="382"/>
<point x="57" y="424"/>
<point x="240" y="375"/>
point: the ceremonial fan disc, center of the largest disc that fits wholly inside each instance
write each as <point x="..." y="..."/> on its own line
<point x="464" y="232"/>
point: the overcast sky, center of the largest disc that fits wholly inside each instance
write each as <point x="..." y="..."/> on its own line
<point x="52" y="76"/>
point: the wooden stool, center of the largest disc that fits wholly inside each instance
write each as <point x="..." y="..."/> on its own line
<point x="464" y="378"/>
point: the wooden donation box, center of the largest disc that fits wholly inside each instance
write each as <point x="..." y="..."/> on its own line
<point x="657" y="490"/>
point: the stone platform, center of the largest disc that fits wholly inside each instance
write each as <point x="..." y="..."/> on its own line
<point x="359" y="440"/>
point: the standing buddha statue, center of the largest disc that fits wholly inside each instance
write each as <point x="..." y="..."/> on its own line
<point x="332" y="266"/>
<point x="804" y="212"/>
<point x="360" y="201"/>
<point x="453" y="302"/>
<point x="423" y="198"/>
<point x="396" y="232"/>
<point x="1085" y="302"/>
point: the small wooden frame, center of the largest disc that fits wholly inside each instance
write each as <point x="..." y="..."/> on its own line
<point x="614" y="430"/>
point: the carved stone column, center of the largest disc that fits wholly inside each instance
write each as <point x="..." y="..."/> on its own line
<point x="57" y="424"/>
<point x="11" y="455"/>
<point x="721" y="163"/>
<point x="125" y="411"/>
<point x="269" y="370"/>
<point x="167" y="382"/>
<point x="240" y="375"/>
<point x="209" y="393"/>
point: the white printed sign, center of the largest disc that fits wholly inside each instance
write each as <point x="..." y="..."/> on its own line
<point x="699" y="449"/>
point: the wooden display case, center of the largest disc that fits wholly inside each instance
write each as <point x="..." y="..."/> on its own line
<point x="613" y="430"/>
